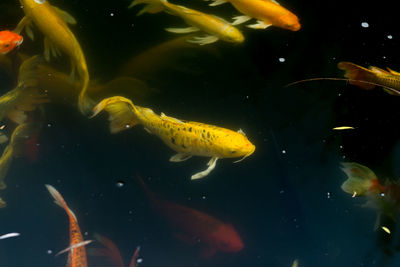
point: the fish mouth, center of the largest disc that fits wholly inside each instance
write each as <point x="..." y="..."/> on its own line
<point x="247" y="155"/>
<point x="19" y="42"/>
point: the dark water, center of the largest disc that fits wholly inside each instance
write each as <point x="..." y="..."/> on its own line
<point x="285" y="200"/>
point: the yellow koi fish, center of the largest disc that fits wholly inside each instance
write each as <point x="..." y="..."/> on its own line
<point x="367" y="79"/>
<point x="187" y="138"/>
<point x="267" y="12"/>
<point x="3" y="204"/>
<point x="52" y="22"/>
<point x="217" y="28"/>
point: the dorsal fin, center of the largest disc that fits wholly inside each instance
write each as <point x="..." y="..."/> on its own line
<point x="393" y="72"/>
<point x="170" y="119"/>
<point x="377" y="70"/>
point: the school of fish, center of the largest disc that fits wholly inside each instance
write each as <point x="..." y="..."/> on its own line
<point x="38" y="83"/>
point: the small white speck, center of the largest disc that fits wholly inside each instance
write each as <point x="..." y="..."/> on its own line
<point x="341" y="147"/>
<point x="49" y="125"/>
<point x="130" y="212"/>
<point x="247" y="97"/>
<point x="127" y="126"/>
<point x="283" y="151"/>
<point x="112" y="14"/>
<point x="281" y="192"/>
<point x="49" y="251"/>
<point x="140" y="260"/>
<point x="86" y="233"/>
<point x="343" y="157"/>
<point x="384" y="57"/>
<point x="364" y="24"/>
<point x="203" y="197"/>
<point x="339" y="94"/>
<point x="382" y="194"/>
<point x="328" y="194"/>
<point x="49" y="74"/>
<point x="281" y="59"/>
<point x="390" y="36"/>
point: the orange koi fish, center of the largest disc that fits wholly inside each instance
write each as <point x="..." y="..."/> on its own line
<point x="217" y="28"/>
<point x="52" y="22"/>
<point x="367" y="79"/>
<point x="112" y="252"/>
<point x="187" y="138"/>
<point x="195" y="227"/>
<point x="9" y="40"/>
<point x="77" y="252"/>
<point x="267" y="12"/>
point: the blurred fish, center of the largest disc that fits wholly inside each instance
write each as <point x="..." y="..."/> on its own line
<point x="76" y="256"/>
<point x="187" y="138"/>
<point x="112" y="253"/>
<point x="194" y="227"/>
<point x="339" y="128"/>
<point x="167" y="55"/>
<point x="362" y="181"/>
<point x="3" y="204"/>
<point x="9" y="235"/>
<point x="267" y="12"/>
<point x="16" y="147"/>
<point x="9" y="40"/>
<point x="52" y="22"/>
<point x="216" y="27"/>
<point x="26" y="96"/>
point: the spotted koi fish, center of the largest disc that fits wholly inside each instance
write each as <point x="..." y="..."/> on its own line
<point x="77" y="252"/>
<point x="187" y="138"/>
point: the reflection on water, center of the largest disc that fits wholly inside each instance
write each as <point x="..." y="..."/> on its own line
<point x="265" y="134"/>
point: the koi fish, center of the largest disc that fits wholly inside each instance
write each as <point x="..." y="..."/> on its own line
<point x="216" y="27"/>
<point x="112" y="252"/>
<point x="26" y="95"/>
<point x="367" y="79"/>
<point x="52" y="22"/>
<point x="77" y="252"/>
<point x="267" y="12"/>
<point x="18" y="140"/>
<point x="187" y="138"/>
<point x="3" y="204"/>
<point x="362" y="181"/>
<point x="9" y="40"/>
<point x="193" y="226"/>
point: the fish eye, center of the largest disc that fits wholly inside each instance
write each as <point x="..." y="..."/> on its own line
<point x="6" y="45"/>
<point x="40" y="1"/>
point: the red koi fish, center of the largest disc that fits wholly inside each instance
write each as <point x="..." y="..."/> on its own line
<point x="193" y="226"/>
<point x="77" y="252"/>
<point x="112" y="252"/>
<point x="9" y="40"/>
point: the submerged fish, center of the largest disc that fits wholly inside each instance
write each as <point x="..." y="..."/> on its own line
<point x="195" y="227"/>
<point x="362" y="181"/>
<point x="187" y="138"/>
<point x="25" y="96"/>
<point x="3" y="204"/>
<point x="112" y="253"/>
<point x="19" y="138"/>
<point x="9" y="40"/>
<point x="267" y="12"/>
<point x="216" y="27"/>
<point x="52" y="22"/>
<point x="77" y="251"/>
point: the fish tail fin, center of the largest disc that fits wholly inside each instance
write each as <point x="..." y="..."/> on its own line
<point x="59" y="200"/>
<point x="112" y="250"/>
<point x="357" y="75"/>
<point x="360" y="179"/>
<point x="122" y="113"/>
<point x="152" y="6"/>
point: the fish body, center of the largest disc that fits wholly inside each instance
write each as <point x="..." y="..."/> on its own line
<point x="52" y="22"/>
<point x="368" y="78"/>
<point x="77" y="255"/>
<point x="216" y="27"/>
<point x="192" y="226"/>
<point x="9" y="40"/>
<point x="267" y="12"/>
<point x="187" y="138"/>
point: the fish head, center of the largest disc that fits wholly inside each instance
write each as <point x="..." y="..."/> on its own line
<point x="233" y="35"/>
<point x="8" y="41"/>
<point x="290" y="21"/>
<point x="235" y="144"/>
<point x="226" y="239"/>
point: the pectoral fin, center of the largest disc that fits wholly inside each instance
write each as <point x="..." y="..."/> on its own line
<point x="203" y="40"/>
<point x="259" y="25"/>
<point x="240" y="19"/>
<point x="50" y="49"/>
<point x="25" y="23"/>
<point x="180" y="157"/>
<point x="65" y="15"/>
<point x="393" y="72"/>
<point x="182" y="30"/>
<point x="170" y="119"/>
<point x="211" y="165"/>
<point x="218" y="2"/>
